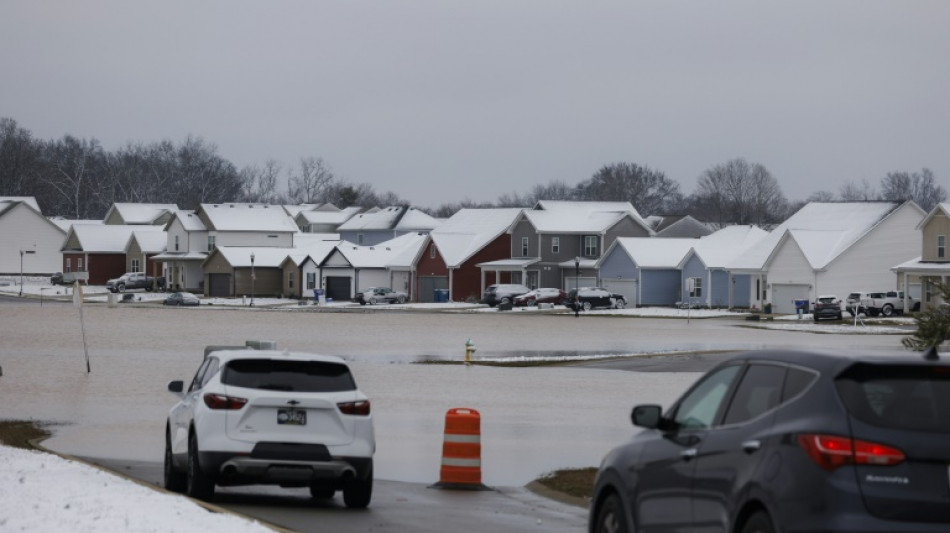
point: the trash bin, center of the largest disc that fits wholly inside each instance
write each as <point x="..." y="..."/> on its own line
<point x="767" y="308"/>
<point x="440" y="295"/>
<point x="111" y="299"/>
<point x="801" y="306"/>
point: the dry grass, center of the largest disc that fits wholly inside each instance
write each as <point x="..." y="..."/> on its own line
<point x="19" y="433"/>
<point x="576" y="482"/>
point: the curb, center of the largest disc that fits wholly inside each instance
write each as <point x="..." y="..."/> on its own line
<point x="210" y="507"/>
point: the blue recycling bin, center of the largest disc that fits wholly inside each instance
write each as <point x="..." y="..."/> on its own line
<point x="801" y="307"/>
<point x="440" y="295"/>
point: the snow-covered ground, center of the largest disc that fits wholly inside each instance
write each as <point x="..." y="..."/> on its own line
<point x="44" y="492"/>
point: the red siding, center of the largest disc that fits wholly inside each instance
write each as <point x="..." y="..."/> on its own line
<point x="101" y="267"/>
<point x="467" y="280"/>
<point x="429" y="266"/>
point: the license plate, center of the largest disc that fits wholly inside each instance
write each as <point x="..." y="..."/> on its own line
<point x="292" y="417"/>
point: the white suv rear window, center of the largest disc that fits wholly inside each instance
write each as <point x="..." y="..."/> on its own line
<point x="296" y="376"/>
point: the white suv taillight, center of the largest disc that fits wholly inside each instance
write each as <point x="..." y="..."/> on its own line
<point x="220" y="401"/>
<point x="360" y="408"/>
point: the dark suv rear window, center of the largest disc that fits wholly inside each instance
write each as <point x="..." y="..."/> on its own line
<point x="297" y="376"/>
<point x="899" y="397"/>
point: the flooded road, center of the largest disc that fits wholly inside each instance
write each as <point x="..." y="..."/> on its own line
<point x="534" y="419"/>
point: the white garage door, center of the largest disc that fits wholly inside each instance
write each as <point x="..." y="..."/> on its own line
<point x="784" y="296"/>
<point x="626" y="287"/>
<point x="572" y="282"/>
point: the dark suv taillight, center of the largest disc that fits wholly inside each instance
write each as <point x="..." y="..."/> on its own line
<point x="360" y="408"/>
<point x="220" y="401"/>
<point x="832" y="451"/>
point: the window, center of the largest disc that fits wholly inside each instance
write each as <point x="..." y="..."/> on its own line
<point x="695" y="286"/>
<point x="176" y="243"/>
<point x="759" y="392"/>
<point x="135" y="265"/>
<point x="290" y="280"/>
<point x="590" y="246"/>
<point x="941" y="245"/>
<point x="291" y="376"/>
<point x="698" y="408"/>
<point x="913" y="398"/>
<point x="432" y="251"/>
<point x="210" y="243"/>
<point x="359" y="238"/>
<point x="79" y="264"/>
<point x="69" y="268"/>
<point x="555" y="245"/>
<point x="311" y="281"/>
<point x="524" y="247"/>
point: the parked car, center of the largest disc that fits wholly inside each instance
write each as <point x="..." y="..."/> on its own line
<point x="503" y="293"/>
<point x="540" y="296"/>
<point x="135" y="280"/>
<point x="587" y="298"/>
<point x="271" y="417"/>
<point x="56" y="279"/>
<point x="856" y="302"/>
<point x="181" y="298"/>
<point x="827" y="306"/>
<point x="376" y="295"/>
<point x="788" y="441"/>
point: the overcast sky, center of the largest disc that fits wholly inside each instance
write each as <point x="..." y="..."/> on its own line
<point x="442" y="100"/>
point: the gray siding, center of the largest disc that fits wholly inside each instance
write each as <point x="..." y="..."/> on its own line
<point x="625" y="228"/>
<point x="660" y="287"/>
<point x="524" y="229"/>
<point x="694" y="268"/>
<point x="618" y="265"/>
<point x="370" y="237"/>
<point x="719" y="292"/>
<point x="742" y="291"/>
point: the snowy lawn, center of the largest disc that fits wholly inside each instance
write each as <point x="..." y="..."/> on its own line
<point x="44" y="492"/>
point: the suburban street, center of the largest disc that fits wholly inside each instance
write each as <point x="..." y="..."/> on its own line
<point x="534" y="419"/>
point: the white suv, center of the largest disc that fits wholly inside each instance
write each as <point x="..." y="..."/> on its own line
<point x="271" y="417"/>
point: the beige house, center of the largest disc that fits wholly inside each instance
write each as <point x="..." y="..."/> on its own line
<point x="933" y="265"/>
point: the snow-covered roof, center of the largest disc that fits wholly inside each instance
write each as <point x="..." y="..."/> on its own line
<point x="149" y="241"/>
<point x="384" y="254"/>
<point x="103" y="238"/>
<point x="294" y="210"/>
<point x="31" y="200"/>
<point x="304" y="240"/>
<point x="181" y="256"/>
<point x="508" y="264"/>
<point x="264" y="256"/>
<point x="581" y="217"/>
<point x="469" y="230"/>
<point x="328" y="217"/>
<point x="189" y="220"/>
<point x="318" y="250"/>
<point x="650" y="252"/>
<point x="65" y="224"/>
<point x="823" y="231"/>
<point x="678" y="226"/>
<point x="248" y="217"/>
<point x="415" y="220"/>
<point x="941" y="208"/>
<point x="132" y="213"/>
<point x="918" y="265"/>
<point x="719" y="249"/>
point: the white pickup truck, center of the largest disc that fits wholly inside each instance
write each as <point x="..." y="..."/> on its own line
<point x="886" y="303"/>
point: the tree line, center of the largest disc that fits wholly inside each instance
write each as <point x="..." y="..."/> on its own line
<point x="77" y="178"/>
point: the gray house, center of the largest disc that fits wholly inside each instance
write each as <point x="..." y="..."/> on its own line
<point x="645" y="270"/>
<point x="371" y="228"/>
<point x="706" y="280"/>
<point x="557" y="244"/>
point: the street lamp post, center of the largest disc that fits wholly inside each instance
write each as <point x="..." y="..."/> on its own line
<point x="21" y="267"/>
<point x="252" y="279"/>
<point x="577" y="282"/>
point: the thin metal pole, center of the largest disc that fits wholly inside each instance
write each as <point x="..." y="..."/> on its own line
<point x="85" y="347"/>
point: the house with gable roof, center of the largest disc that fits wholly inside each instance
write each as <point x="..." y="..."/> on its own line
<point x="677" y="226"/>
<point x="27" y="236"/>
<point x="192" y="235"/>
<point x="324" y="221"/>
<point x="97" y="252"/>
<point x="917" y="276"/>
<point x="352" y="268"/>
<point x="375" y="227"/>
<point x="302" y="273"/>
<point x="706" y="264"/>
<point x="450" y="260"/>
<point x="557" y="244"/>
<point x="831" y="248"/>
<point x="141" y="247"/>
<point x="645" y="270"/>
<point x="252" y="271"/>
<point x="134" y="214"/>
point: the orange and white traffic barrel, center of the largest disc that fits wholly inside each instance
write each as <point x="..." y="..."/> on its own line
<point x="462" y="451"/>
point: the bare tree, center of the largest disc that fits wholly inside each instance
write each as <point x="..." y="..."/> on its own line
<point x="858" y="192"/>
<point x="554" y="190"/>
<point x="71" y="165"/>
<point x="737" y="192"/>
<point x="650" y="191"/>
<point x="921" y="187"/>
<point x="311" y="182"/>
<point x="821" y="196"/>
<point x="19" y="160"/>
<point x="259" y="184"/>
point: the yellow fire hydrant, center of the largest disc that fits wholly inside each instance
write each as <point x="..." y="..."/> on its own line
<point x="469" y="350"/>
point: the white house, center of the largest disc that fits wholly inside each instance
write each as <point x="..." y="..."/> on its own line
<point x="351" y="268"/>
<point x="134" y="214"/>
<point x="25" y="234"/>
<point x="831" y="248"/>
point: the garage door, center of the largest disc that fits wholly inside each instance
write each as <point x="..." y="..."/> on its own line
<point x="338" y="287"/>
<point x="220" y="285"/>
<point x="428" y="284"/>
<point x="571" y="282"/>
<point x="784" y="296"/>
<point x="626" y="287"/>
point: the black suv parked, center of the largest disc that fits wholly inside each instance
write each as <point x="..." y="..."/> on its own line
<point x="789" y="441"/>
<point x="502" y="293"/>
<point x="587" y="298"/>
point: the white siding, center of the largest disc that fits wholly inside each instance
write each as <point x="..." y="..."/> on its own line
<point x="252" y="238"/>
<point x="789" y="267"/>
<point x="867" y="264"/>
<point x="22" y="228"/>
<point x="371" y="277"/>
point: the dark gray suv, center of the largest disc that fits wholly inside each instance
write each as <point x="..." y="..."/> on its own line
<point x="786" y="442"/>
<point x="503" y="293"/>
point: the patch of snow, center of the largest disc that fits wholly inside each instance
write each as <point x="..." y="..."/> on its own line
<point x="44" y="492"/>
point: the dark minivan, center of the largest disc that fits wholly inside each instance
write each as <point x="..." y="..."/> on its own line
<point x="785" y="441"/>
